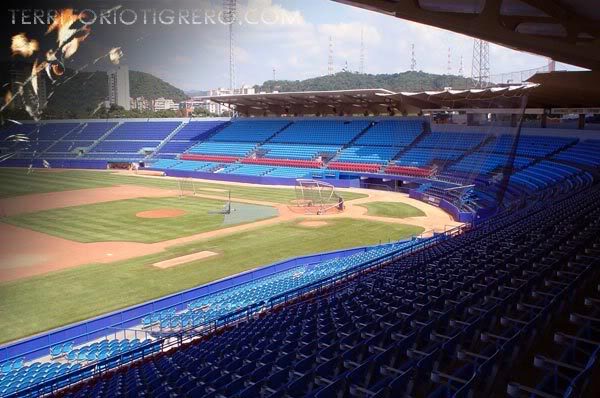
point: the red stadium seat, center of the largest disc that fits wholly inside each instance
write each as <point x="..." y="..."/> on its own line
<point x="360" y="167"/>
<point x="284" y="162"/>
<point x="409" y="171"/>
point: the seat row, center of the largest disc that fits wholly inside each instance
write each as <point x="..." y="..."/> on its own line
<point x="445" y="321"/>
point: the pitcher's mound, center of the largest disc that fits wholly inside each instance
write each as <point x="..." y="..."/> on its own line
<point x="160" y="213"/>
<point x="312" y="224"/>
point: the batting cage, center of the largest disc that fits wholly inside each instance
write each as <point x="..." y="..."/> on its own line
<point x="316" y="197"/>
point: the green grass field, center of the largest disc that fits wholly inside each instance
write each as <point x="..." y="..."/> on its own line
<point x="43" y="302"/>
<point x="117" y="220"/>
<point x="15" y="182"/>
<point x="392" y="209"/>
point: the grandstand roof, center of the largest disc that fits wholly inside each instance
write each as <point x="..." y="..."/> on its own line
<point x="547" y="90"/>
<point x="564" y="30"/>
<point x="306" y="102"/>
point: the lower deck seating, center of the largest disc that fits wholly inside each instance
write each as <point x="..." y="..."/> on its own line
<point x="284" y="162"/>
<point x="297" y="172"/>
<point x="291" y="151"/>
<point x="446" y="321"/>
<point x="358" y="167"/>
<point x="223" y="148"/>
<point x="543" y="174"/>
<point x="209" y="158"/>
<point x="485" y="163"/>
<point x="409" y="171"/>
<point x="585" y="152"/>
<point x="420" y="157"/>
<point x="368" y="154"/>
<point x="246" y="169"/>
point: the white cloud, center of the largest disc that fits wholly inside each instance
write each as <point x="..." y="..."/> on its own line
<point x="296" y="45"/>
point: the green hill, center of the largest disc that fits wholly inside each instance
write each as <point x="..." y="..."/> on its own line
<point x="406" y="81"/>
<point x="78" y="95"/>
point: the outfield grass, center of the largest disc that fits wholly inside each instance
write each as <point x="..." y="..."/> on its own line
<point x="14" y="182"/>
<point x="117" y="220"/>
<point x="48" y="301"/>
<point x="392" y="209"/>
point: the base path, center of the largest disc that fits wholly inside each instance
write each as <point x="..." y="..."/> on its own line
<point x="27" y="253"/>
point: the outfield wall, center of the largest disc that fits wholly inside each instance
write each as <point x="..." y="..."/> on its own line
<point x="339" y="183"/>
<point x="96" y="328"/>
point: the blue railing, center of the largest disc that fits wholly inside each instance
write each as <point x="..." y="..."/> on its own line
<point x="95" y="328"/>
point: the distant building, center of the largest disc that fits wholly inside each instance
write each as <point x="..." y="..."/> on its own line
<point x="140" y="104"/>
<point x="118" y="86"/>
<point x="219" y="109"/>
<point x="165" y="104"/>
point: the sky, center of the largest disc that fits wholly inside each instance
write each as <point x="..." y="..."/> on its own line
<point x="290" y="36"/>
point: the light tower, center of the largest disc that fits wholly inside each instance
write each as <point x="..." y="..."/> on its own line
<point x="413" y="59"/>
<point x="230" y="17"/>
<point x="460" y="67"/>
<point x="480" y="66"/>
<point x="330" y="57"/>
<point x="449" y="64"/>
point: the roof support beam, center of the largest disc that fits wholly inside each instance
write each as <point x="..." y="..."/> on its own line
<point x="488" y="26"/>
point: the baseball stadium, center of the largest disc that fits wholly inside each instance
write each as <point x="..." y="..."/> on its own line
<point x="337" y="243"/>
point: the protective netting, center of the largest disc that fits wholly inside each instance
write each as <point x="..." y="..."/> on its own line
<point x="316" y="197"/>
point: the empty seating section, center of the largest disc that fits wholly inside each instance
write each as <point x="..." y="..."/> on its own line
<point x="223" y="148"/>
<point x="13" y="128"/>
<point x="529" y="145"/>
<point x="543" y="174"/>
<point x="68" y="145"/>
<point x="394" y="133"/>
<point x="143" y="131"/>
<point x="450" y="140"/>
<point x="485" y="163"/>
<point x="39" y="136"/>
<point x="296" y="172"/>
<point x="51" y="131"/>
<point x="585" y="152"/>
<point x="367" y="154"/>
<point x="568" y="368"/>
<point x="218" y="304"/>
<point x="209" y="158"/>
<point x="124" y="146"/>
<point x="250" y="130"/>
<point x="246" y="169"/>
<point x="446" y="321"/>
<point x="18" y="378"/>
<point x="97" y="351"/>
<point x="164" y="164"/>
<point x="328" y="132"/>
<point x="290" y="151"/>
<point x="33" y="146"/>
<point x="196" y="131"/>
<point x="175" y="147"/>
<point x="357" y="167"/>
<point x="283" y="162"/>
<point x="188" y="135"/>
<point x="91" y="131"/>
<point x="409" y="171"/>
<point x="425" y="156"/>
<point x="197" y="166"/>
